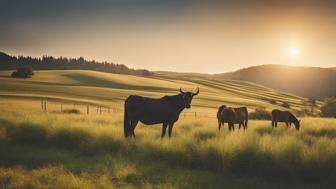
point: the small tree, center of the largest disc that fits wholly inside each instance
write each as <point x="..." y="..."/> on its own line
<point x="260" y="113"/>
<point x="24" y="72"/>
<point x="285" y="105"/>
<point x="329" y="108"/>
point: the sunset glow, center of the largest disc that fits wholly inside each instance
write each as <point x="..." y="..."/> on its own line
<point x="294" y="51"/>
<point x="185" y="36"/>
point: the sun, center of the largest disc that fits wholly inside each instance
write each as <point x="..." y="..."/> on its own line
<point x="293" y="51"/>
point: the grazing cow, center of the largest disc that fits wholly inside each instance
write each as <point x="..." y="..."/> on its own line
<point x="284" y="116"/>
<point x="165" y="110"/>
<point x="241" y="117"/>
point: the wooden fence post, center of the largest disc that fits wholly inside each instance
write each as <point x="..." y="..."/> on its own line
<point x="195" y="115"/>
<point x="87" y="109"/>
<point x="45" y="105"/>
<point x="100" y="110"/>
<point x="61" y="108"/>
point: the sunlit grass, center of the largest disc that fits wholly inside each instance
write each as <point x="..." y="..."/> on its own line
<point x="89" y="151"/>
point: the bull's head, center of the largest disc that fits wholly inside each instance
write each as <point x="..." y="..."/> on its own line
<point x="187" y="97"/>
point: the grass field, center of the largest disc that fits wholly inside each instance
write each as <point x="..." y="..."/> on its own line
<point x="111" y="89"/>
<point x="54" y="150"/>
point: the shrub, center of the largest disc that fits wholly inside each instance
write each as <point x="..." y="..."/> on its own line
<point x="272" y="101"/>
<point x="24" y="72"/>
<point x="260" y="113"/>
<point x="329" y="108"/>
<point x="71" y="111"/>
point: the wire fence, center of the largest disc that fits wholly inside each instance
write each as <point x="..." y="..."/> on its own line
<point x="96" y="109"/>
<point x="75" y="107"/>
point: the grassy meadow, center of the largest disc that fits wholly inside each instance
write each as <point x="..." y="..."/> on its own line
<point x="112" y="89"/>
<point x="57" y="150"/>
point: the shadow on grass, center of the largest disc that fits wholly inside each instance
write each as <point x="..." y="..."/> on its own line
<point x="204" y="135"/>
<point x="280" y="130"/>
<point x="94" y="81"/>
<point x="329" y="133"/>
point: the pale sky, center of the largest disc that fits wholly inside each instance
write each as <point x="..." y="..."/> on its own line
<point x="176" y="35"/>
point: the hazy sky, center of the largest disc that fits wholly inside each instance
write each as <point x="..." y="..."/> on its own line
<point x="175" y="35"/>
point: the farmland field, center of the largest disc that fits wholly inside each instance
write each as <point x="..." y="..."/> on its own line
<point x="56" y="150"/>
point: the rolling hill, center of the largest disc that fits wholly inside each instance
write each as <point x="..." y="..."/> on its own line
<point x="303" y="81"/>
<point x="108" y="89"/>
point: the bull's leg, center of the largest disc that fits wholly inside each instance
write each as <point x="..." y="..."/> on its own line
<point x="164" y="127"/>
<point x="219" y="125"/>
<point x="287" y="125"/>
<point x="134" y="123"/>
<point x="232" y="126"/>
<point x="171" y="125"/>
<point x="239" y="125"/>
<point x="273" y="124"/>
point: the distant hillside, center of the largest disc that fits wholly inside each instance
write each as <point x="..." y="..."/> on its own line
<point x="303" y="81"/>
<point x="108" y="89"/>
<point x="184" y="75"/>
<point x="8" y="62"/>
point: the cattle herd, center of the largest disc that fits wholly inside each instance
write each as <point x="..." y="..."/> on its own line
<point x="166" y="110"/>
<point x="239" y="116"/>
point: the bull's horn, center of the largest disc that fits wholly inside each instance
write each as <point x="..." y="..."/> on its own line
<point x="181" y="91"/>
<point x="196" y="92"/>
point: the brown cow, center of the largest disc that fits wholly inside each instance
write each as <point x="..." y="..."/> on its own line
<point x="240" y="116"/>
<point x="284" y="116"/>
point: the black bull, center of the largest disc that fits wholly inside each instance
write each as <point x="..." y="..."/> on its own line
<point x="165" y="110"/>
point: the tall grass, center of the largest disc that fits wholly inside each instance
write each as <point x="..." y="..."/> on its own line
<point x="90" y="151"/>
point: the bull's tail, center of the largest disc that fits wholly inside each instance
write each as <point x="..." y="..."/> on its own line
<point x="127" y="124"/>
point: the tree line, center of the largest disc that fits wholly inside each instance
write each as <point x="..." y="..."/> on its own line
<point x="8" y="62"/>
